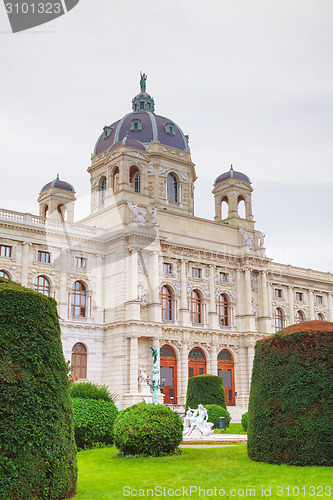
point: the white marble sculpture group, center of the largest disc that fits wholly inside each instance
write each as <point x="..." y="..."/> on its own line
<point x="196" y="425"/>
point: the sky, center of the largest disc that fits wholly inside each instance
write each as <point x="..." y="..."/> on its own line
<point x="251" y="83"/>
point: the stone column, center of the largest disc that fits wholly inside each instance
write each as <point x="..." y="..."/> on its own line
<point x="250" y="357"/>
<point x="330" y="306"/>
<point x="133" y="365"/>
<point x="154" y="307"/>
<point x="182" y="388"/>
<point x="242" y="374"/>
<point x="184" y="311"/>
<point x="311" y="305"/>
<point x="212" y="313"/>
<point x="265" y="320"/>
<point x="25" y="263"/>
<point x="249" y="318"/>
<point x="132" y="305"/>
<point x="291" y="305"/>
<point x="213" y="360"/>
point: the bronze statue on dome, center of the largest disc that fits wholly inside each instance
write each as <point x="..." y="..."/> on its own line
<point x="143" y="81"/>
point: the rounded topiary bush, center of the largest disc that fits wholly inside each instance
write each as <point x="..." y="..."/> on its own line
<point x="148" y="429"/>
<point x="205" y="390"/>
<point x="291" y="399"/>
<point x="244" y="421"/>
<point x="37" y="447"/>
<point x="215" y="412"/>
<point x="93" y="422"/>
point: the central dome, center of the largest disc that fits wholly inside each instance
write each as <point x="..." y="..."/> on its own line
<point x="142" y="125"/>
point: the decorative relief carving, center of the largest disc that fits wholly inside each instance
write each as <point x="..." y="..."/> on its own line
<point x="162" y="190"/>
<point x="151" y="169"/>
<point x="142" y="298"/>
<point x="163" y="171"/>
<point x="139" y="215"/>
<point x="254" y="308"/>
<point x="143" y="262"/>
<point x="205" y="291"/>
<point x="189" y="288"/>
<point x="176" y="286"/>
<point x="254" y="282"/>
<point x="248" y="238"/>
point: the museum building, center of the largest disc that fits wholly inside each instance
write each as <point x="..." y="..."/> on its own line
<point x="143" y="271"/>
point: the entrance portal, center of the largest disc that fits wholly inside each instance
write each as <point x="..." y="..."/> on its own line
<point x="225" y="369"/>
<point x="168" y="371"/>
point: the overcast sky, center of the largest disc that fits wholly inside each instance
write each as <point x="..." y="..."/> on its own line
<point x="251" y="82"/>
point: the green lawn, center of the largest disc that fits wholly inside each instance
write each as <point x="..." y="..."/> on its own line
<point x="232" y="429"/>
<point x="228" y="469"/>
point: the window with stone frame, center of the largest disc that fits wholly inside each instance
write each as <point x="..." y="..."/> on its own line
<point x="44" y="257"/>
<point x="196" y="272"/>
<point x="299" y="296"/>
<point x="5" y="251"/>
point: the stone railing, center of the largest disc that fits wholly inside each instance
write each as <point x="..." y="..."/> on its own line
<point x="27" y="218"/>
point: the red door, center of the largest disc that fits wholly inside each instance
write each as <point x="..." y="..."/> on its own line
<point x="225" y="369"/>
<point x="168" y="371"/>
<point x="196" y="363"/>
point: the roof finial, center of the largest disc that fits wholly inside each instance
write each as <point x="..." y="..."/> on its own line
<point x="143" y="81"/>
<point x="231" y="171"/>
<point x="57" y="177"/>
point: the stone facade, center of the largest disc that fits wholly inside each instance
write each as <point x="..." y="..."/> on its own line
<point x="149" y="273"/>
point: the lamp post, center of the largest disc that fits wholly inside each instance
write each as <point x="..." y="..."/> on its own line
<point x="155" y="384"/>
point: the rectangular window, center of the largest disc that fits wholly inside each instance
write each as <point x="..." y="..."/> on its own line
<point x="224" y="277"/>
<point x="5" y="251"/>
<point x="319" y="299"/>
<point x="278" y="293"/>
<point x="44" y="257"/>
<point x="80" y="262"/>
<point x="299" y="296"/>
<point x="196" y="272"/>
<point x="167" y="268"/>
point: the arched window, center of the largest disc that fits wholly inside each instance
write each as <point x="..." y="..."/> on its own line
<point x="42" y="285"/>
<point x="241" y="207"/>
<point x="224" y="319"/>
<point x="320" y="317"/>
<point x="224" y="208"/>
<point x="168" y="371"/>
<point x="135" y="178"/>
<point x="196" y="307"/>
<point x="225" y="369"/>
<point x="62" y="210"/>
<point x="45" y="210"/>
<point x="196" y="363"/>
<point x="172" y="188"/>
<point x="102" y="190"/>
<point x="299" y="317"/>
<point x="278" y="319"/>
<point x="5" y="275"/>
<point x="115" y="178"/>
<point x="166" y="301"/>
<point x="79" y="361"/>
<point x="79" y="300"/>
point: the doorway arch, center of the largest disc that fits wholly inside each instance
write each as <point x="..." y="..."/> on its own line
<point x="225" y="369"/>
<point x="168" y="371"/>
<point x="196" y="362"/>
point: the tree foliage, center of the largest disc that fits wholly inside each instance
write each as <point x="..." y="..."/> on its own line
<point x="205" y="389"/>
<point x="291" y="399"/>
<point x="37" y="447"/>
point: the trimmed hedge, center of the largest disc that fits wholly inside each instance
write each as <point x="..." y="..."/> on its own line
<point x="93" y="422"/>
<point x="291" y="399"/>
<point x="37" y="447"/>
<point x="205" y="390"/>
<point x="244" y="421"/>
<point x="148" y="429"/>
<point x="215" y="412"/>
<point x="89" y="390"/>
